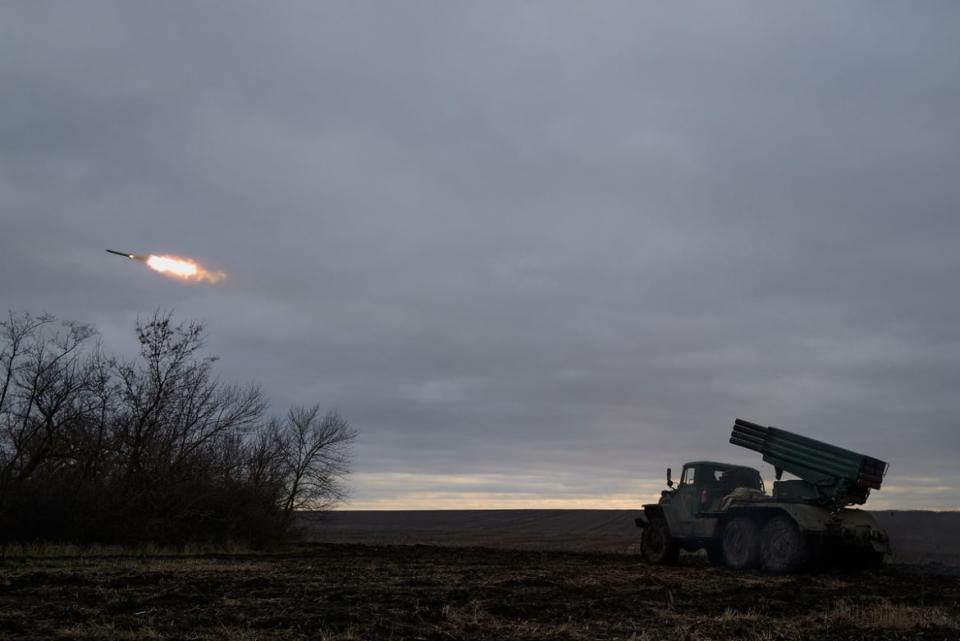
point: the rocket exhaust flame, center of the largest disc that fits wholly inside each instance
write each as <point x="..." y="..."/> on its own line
<point x="183" y="268"/>
<point x="176" y="267"/>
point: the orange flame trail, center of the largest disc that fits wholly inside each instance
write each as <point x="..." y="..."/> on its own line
<point x="183" y="268"/>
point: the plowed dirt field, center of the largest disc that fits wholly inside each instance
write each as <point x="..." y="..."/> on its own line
<point x="350" y="591"/>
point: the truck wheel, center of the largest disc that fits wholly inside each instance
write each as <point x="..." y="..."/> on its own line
<point x="782" y="545"/>
<point x="656" y="547"/>
<point x="741" y="544"/>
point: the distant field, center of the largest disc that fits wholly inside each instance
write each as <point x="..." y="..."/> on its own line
<point x="917" y="537"/>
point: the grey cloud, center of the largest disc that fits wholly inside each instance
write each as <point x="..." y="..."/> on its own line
<point x="548" y="239"/>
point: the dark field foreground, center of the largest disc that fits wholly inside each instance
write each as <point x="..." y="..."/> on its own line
<point x="340" y="591"/>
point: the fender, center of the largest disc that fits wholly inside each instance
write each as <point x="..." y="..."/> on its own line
<point x="650" y="512"/>
<point x="810" y="518"/>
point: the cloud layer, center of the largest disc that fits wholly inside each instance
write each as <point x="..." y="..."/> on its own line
<point x="534" y="253"/>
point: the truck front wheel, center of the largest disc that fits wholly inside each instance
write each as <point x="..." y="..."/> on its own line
<point x="656" y="547"/>
<point x="741" y="544"/>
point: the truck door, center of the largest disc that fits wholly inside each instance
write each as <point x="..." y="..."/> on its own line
<point x="687" y="502"/>
<point x="709" y="495"/>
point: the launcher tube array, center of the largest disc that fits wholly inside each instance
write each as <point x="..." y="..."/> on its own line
<point x="807" y="458"/>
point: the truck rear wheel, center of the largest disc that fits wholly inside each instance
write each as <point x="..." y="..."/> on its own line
<point x="782" y="546"/>
<point x="741" y="544"/>
<point x="656" y="547"/>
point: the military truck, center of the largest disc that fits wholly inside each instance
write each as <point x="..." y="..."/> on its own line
<point x="725" y="509"/>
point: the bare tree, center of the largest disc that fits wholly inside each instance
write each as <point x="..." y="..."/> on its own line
<point x="316" y="453"/>
<point x="175" y="407"/>
<point x="153" y="448"/>
<point x="42" y="393"/>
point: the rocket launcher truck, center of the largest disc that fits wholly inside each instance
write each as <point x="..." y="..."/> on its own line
<point x="726" y="510"/>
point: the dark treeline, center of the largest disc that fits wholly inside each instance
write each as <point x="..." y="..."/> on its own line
<point x="100" y="448"/>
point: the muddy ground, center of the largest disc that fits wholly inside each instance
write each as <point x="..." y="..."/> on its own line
<point x="349" y="591"/>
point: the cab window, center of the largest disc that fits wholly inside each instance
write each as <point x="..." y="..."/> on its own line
<point x="742" y="477"/>
<point x="710" y="476"/>
<point x="688" y="476"/>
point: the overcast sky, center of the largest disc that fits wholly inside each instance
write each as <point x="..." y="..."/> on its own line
<point x="533" y="252"/>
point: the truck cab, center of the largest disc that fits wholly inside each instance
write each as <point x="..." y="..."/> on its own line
<point x="680" y="514"/>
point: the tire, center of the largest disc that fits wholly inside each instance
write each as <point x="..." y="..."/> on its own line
<point x="741" y="544"/>
<point x="715" y="554"/>
<point x="782" y="546"/>
<point x="656" y="547"/>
